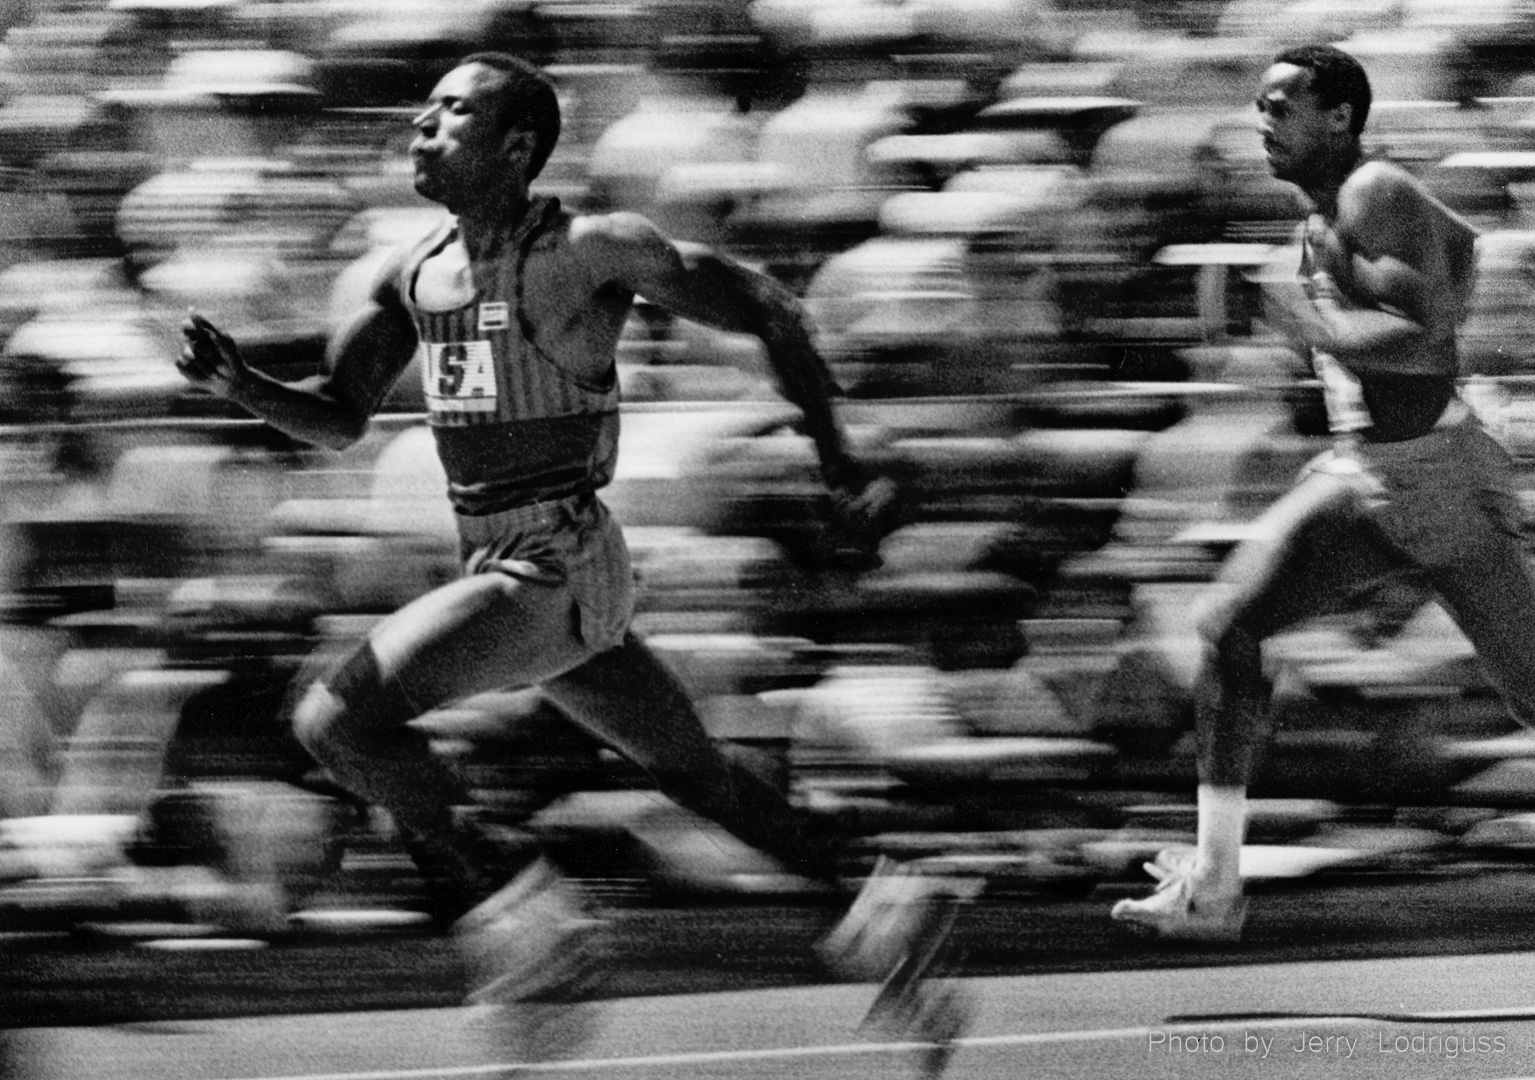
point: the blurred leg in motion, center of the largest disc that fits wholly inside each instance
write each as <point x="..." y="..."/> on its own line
<point x="1314" y="552"/>
<point x="548" y="586"/>
<point x="480" y="633"/>
<point x="561" y="621"/>
<point x="894" y="932"/>
<point x="1440" y="507"/>
<point x="1462" y="522"/>
<point x="631" y="701"/>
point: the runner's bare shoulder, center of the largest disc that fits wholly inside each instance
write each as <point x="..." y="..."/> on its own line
<point x="1408" y="250"/>
<point x="622" y="246"/>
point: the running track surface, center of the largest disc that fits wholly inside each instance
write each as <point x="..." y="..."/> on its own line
<point x="1400" y="1019"/>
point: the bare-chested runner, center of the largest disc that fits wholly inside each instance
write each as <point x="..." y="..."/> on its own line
<point x="1413" y="484"/>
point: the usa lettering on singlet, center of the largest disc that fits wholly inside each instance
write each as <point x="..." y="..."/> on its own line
<point x="459" y="377"/>
<point x="512" y="423"/>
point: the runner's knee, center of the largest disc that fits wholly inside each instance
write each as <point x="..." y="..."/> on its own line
<point x="353" y="698"/>
<point x="314" y="720"/>
<point x="1215" y="612"/>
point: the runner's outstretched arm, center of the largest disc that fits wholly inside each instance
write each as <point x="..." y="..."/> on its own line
<point x="696" y="283"/>
<point x="330" y="408"/>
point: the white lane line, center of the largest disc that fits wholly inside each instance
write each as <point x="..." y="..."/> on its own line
<point x="705" y="1057"/>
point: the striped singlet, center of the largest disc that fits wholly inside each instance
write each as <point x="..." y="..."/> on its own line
<point x="512" y="424"/>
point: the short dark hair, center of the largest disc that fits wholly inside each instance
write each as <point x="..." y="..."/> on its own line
<point x="527" y="100"/>
<point x="1336" y="79"/>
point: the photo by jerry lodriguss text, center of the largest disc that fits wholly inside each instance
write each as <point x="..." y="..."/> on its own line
<point x="1278" y="1045"/>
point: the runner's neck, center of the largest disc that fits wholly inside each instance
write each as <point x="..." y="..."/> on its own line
<point x="487" y="232"/>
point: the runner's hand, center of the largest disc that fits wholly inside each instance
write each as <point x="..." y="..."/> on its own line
<point x="209" y="357"/>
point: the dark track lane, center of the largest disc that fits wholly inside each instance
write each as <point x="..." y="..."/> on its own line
<point x="719" y="947"/>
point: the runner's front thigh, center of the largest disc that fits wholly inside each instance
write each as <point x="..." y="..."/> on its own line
<point x="479" y="633"/>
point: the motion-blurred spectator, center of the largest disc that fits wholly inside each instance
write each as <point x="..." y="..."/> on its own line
<point x="948" y="298"/>
<point x="89" y="356"/>
<point x="681" y="120"/>
<point x="57" y="477"/>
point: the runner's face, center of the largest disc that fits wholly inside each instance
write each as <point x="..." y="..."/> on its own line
<point x="1298" y="134"/>
<point x="459" y="151"/>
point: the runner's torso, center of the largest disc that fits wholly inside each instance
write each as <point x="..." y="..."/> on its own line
<point x="520" y="413"/>
<point x="1390" y="407"/>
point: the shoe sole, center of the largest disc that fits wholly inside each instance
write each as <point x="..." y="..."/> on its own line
<point x="1225" y="932"/>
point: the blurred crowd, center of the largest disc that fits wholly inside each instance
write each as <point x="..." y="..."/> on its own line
<point x="1027" y="233"/>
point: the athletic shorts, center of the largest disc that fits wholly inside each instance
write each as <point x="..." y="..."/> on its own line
<point x="573" y="542"/>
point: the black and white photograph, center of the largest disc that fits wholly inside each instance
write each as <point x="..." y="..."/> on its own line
<point x="767" y="539"/>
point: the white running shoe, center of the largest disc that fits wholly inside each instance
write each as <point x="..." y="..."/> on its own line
<point x="533" y="940"/>
<point x="1175" y="912"/>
